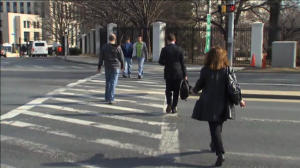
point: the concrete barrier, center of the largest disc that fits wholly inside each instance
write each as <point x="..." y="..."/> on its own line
<point x="284" y="54"/>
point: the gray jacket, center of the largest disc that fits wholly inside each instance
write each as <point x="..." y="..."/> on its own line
<point x="144" y="50"/>
<point x="112" y="55"/>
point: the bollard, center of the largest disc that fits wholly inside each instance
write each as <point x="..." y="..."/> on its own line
<point x="264" y="61"/>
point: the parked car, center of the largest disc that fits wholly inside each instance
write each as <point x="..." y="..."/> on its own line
<point x="38" y="48"/>
<point x="3" y="52"/>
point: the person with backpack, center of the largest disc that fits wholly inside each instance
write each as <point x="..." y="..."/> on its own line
<point x="127" y="49"/>
<point x="220" y="92"/>
<point x="172" y="58"/>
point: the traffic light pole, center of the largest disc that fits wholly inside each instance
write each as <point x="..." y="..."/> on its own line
<point x="230" y="40"/>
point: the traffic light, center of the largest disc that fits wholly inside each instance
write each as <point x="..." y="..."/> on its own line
<point x="226" y="8"/>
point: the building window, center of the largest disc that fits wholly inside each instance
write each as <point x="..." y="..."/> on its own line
<point x="8" y="6"/>
<point x="38" y="25"/>
<point x="34" y="25"/>
<point x="24" y="24"/>
<point x="22" y="7"/>
<point x="1" y="6"/>
<point x="28" y="24"/>
<point x="36" y="8"/>
<point x="29" y="7"/>
<point x="36" y="36"/>
<point x="26" y="35"/>
<point x="15" y="7"/>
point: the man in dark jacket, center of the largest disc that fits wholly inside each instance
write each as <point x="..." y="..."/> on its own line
<point x="112" y="55"/>
<point x="172" y="57"/>
<point x="127" y="51"/>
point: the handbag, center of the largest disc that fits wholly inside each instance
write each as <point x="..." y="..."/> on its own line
<point x="233" y="88"/>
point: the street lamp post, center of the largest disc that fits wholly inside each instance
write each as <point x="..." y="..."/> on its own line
<point x="66" y="43"/>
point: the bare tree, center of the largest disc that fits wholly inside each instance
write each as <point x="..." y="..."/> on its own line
<point x="60" y="17"/>
<point x="143" y="13"/>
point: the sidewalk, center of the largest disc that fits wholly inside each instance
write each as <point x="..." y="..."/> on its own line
<point x="94" y="61"/>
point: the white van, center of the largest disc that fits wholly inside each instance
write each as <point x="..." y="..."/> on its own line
<point x="38" y="48"/>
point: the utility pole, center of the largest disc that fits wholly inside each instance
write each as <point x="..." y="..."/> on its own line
<point x="230" y="40"/>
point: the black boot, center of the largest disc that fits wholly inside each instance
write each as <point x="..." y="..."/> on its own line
<point x="220" y="160"/>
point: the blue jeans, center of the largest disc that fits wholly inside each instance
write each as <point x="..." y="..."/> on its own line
<point x="128" y="65"/>
<point x="111" y="77"/>
<point x="140" y="65"/>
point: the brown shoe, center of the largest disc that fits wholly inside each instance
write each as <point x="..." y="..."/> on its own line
<point x="168" y="109"/>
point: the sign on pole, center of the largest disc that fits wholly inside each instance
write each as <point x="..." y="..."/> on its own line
<point x="208" y="33"/>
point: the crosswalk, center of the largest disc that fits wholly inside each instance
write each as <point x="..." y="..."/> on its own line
<point x="136" y="123"/>
<point x="7" y="66"/>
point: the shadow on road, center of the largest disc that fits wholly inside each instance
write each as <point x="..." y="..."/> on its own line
<point x="160" y="161"/>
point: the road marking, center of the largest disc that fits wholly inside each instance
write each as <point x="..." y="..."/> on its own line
<point x="169" y="145"/>
<point x="119" y="100"/>
<point x="38" y="101"/>
<point x="6" y="166"/>
<point x="277" y="79"/>
<point x="258" y="155"/>
<point x="100" y="105"/>
<point x="38" y="66"/>
<point x="129" y="119"/>
<point x="268" y="120"/>
<point x="108" y="142"/>
<point x="270" y="84"/>
<point x="77" y="67"/>
<point x="127" y="95"/>
<point x="58" y="67"/>
<point x="44" y="150"/>
<point x="261" y="100"/>
<point x="94" y="124"/>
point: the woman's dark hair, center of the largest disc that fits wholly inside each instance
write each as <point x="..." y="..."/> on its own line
<point x="216" y="58"/>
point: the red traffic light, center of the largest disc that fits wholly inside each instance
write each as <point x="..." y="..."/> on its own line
<point x="230" y="8"/>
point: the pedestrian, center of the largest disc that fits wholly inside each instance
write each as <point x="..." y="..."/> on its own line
<point x="214" y="104"/>
<point x="113" y="57"/>
<point x="141" y="52"/>
<point x="127" y="49"/>
<point x="172" y="57"/>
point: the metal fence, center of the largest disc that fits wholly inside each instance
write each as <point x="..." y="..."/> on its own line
<point x="193" y="40"/>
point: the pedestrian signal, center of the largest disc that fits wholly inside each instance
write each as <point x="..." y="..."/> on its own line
<point x="226" y="8"/>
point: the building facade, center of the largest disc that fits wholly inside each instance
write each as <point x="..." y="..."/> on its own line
<point x="36" y="20"/>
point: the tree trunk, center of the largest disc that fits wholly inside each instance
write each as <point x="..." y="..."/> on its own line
<point x="273" y="34"/>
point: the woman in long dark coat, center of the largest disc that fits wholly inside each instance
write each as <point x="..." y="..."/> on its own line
<point x="213" y="105"/>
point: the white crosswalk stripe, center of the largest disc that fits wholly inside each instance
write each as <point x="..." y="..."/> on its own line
<point x="135" y="99"/>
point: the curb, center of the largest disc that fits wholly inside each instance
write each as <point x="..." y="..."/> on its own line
<point x="78" y="62"/>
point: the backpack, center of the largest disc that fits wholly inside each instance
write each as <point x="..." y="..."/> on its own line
<point x="184" y="90"/>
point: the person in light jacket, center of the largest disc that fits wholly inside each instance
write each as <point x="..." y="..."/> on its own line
<point x="141" y="52"/>
<point x="213" y="105"/>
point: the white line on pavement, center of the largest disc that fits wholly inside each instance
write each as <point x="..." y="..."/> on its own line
<point x="44" y="149"/>
<point x="77" y="67"/>
<point x="94" y="124"/>
<point x="38" y="66"/>
<point x="58" y="67"/>
<point x="118" y="100"/>
<point x="268" y="120"/>
<point x="37" y="101"/>
<point x="127" y="95"/>
<point x="6" y="166"/>
<point x="169" y="145"/>
<point x="100" y="105"/>
<point x="258" y="155"/>
<point x="271" y="84"/>
<point x="108" y="142"/>
<point x="129" y="119"/>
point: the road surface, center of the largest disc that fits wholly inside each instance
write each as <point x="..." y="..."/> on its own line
<point x="57" y="118"/>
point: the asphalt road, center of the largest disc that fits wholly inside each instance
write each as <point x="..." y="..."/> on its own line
<point x="57" y="118"/>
